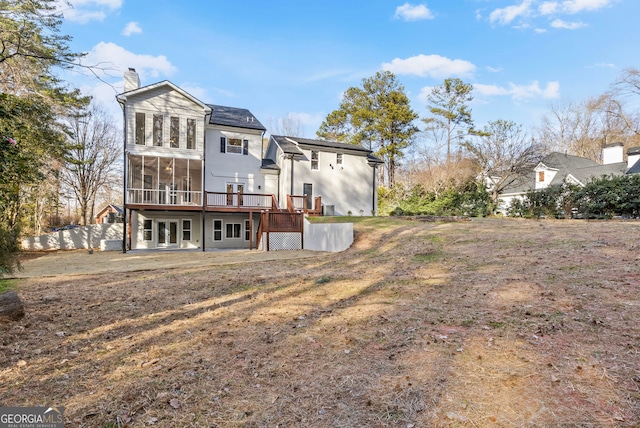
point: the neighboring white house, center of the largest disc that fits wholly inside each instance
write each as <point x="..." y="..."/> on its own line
<point x="557" y="168"/>
<point x="196" y="176"/>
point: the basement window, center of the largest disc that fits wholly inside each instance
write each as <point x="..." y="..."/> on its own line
<point x="147" y="230"/>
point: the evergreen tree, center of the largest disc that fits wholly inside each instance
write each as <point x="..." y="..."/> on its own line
<point x="448" y="103"/>
<point x="377" y="115"/>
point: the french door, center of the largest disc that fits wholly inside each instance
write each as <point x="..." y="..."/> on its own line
<point x="167" y="233"/>
<point x="234" y="193"/>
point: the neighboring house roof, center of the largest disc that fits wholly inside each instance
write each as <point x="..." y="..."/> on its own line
<point x="116" y="208"/>
<point x="635" y="168"/>
<point x="584" y="175"/>
<point x="233" y="116"/>
<point x="520" y="185"/>
<point x="579" y="168"/>
<point x="123" y="96"/>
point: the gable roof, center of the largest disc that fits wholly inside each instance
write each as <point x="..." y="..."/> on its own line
<point x="291" y="145"/>
<point x="581" y="169"/>
<point x="233" y="116"/>
<point x="563" y="161"/>
<point x="116" y="208"/>
<point x="123" y="96"/>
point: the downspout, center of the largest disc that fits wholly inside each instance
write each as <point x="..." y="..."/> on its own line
<point x="291" y="191"/>
<point x="373" y="195"/>
<point x="124" y="185"/>
<point x="204" y="180"/>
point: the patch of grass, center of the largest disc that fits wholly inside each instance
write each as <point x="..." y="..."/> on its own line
<point x="426" y="257"/>
<point x="7" y="284"/>
<point x="497" y="324"/>
<point x="323" y="280"/>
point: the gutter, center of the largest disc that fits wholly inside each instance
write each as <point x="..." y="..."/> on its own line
<point x="122" y="103"/>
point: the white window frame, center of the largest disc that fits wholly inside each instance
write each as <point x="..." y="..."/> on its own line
<point x="158" y="132"/>
<point x="220" y="230"/>
<point x="235" y="227"/>
<point x="139" y="132"/>
<point x="247" y="230"/>
<point x="186" y="227"/>
<point x="315" y="161"/>
<point x="339" y="159"/>
<point x="146" y="229"/>
<point x="174" y="133"/>
<point x="191" y="136"/>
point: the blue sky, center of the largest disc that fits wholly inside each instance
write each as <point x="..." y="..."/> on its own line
<point x="285" y="58"/>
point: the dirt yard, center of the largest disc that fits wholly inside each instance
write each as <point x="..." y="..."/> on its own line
<point x="490" y="322"/>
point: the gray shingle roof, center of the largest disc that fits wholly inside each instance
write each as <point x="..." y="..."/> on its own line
<point x="233" y="116"/>
<point x="521" y="184"/>
<point x="269" y="164"/>
<point x="587" y="174"/>
<point x="289" y="147"/>
<point x="582" y="169"/>
<point x="635" y="168"/>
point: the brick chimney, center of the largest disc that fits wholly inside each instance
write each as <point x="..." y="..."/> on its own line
<point x="612" y="153"/>
<point x="131" y="80"/>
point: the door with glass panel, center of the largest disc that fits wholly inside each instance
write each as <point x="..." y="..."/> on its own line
<point x="234" y="194"/>
<point x="167" y="233"/>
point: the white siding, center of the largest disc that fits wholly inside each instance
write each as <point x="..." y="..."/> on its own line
<point x="168" y="103"/>
<point x="137" y="229"/>
<point x="348" y="187"/>
<point x="223" y="168"/>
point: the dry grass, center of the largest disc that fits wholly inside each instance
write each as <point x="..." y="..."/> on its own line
<point x="484" y="323"/>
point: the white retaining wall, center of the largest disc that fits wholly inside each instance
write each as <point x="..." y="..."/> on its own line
<point x="83" y="237"/>
<point x="332" y="237"/>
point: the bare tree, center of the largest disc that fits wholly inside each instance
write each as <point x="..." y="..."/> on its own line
<point x="290" y="126"/>
<point x="583" y="128"/>
<point x="93" y="150"/>
<point x="504" y="154"/>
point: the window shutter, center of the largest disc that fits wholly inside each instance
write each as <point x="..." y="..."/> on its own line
<point x="223" y="144"/>
<point x="245" y="147"/>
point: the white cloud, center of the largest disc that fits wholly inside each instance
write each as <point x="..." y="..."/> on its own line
<point x="494" y="69"/>
<point x="83" y="11"/>
<point x="559" y="23"/>
<point x="131" y="28"/>
<point x="576" y="6"/>
<point x="116" y="59"/>
<point x="540" y="30"/>
<point x="520" y="92"/>
<point x="508" y="14"/>
<point x="527" y="10"/>
<point x="409" y="12"/>
<point x="548" y="8"/>
<point x="602" y="65"/>
<point x="430" y="65"/>
<point x="196" y="91"/>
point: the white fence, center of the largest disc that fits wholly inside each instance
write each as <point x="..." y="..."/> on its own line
<point x="332" y="237"/>
<point x="83" y="237"/>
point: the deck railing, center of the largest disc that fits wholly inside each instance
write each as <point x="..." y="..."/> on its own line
<point x="163" y="197"/>
<point x="299" y="203"/>
<point x="241" y="200"/>
<point x="279" y="221"/>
